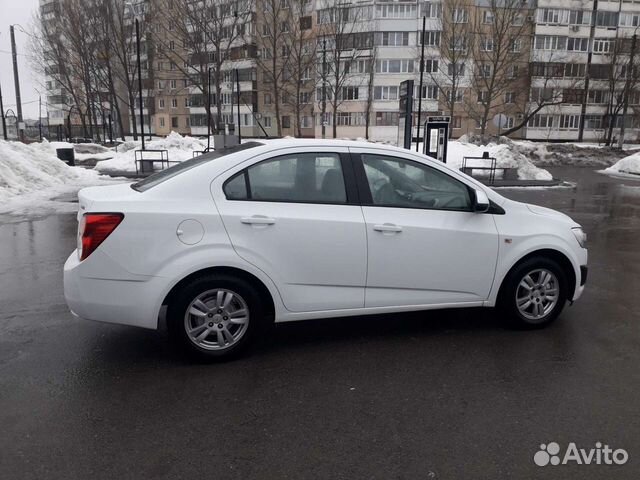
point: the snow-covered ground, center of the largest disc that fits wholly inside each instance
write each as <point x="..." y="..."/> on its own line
<point x="33" y="179"/>
<point x="507" y="155"/>
<point x="178" y="147"/>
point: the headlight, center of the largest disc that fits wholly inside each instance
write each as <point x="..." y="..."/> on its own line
<point x="581" y="237"/>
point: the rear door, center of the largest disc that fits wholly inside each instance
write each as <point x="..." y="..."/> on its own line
<point x="294" y="215"/>
<point x="425" y="245"/>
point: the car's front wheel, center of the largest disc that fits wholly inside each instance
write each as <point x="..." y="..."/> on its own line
<point x="215" y="316"/>
<point x="534" y="293"/>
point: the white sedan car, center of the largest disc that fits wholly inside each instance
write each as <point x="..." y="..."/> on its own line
<point x="283" y="230"/>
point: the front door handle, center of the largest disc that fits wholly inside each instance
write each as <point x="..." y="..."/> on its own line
<point x="258" y="220"/>
<point x="387" y="228"/>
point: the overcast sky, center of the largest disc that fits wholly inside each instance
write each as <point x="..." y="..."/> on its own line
<point x="18" y="12"/>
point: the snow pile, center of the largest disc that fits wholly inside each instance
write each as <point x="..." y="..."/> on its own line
<point x="32" y="174"/>
<point x="507" y="155"/>
<point x="179" y="149"/>
<point x="626" y="165"/>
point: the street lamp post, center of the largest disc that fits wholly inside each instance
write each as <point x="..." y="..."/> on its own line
<point x="208" y="108"/>
<point x="238" y="93"/>
<point x="140" y="80"/>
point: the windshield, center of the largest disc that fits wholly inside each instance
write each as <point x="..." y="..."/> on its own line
<point x="166" y="174"/>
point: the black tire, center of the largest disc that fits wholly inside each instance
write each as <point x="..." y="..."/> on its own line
<point x="177" y="313"/>
<point x="507" y="303"/>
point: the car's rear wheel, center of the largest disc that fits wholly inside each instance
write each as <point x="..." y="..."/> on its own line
<point x="534" y="293"/>
<point x="215" y="316"/>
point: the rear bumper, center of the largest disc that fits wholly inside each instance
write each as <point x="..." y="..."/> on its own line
<point x="126" y="302"/>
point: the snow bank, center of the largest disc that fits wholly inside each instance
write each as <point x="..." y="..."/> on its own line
<point x="629" y="165"/>
<point x="507" y="155"/>
<point x="180" y="148"/>
<point x="32" y="175"/>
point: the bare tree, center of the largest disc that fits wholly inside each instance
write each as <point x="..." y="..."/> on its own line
<point x="212" y="35"/>
<point x="371" y="75"/>
<point x="275" y="22"/>
<point x="300" y="44"/>
<point x="344" y="38"/>
<point x="501" y="29"/>
<point x="553" y="82"/>
<point x="455" y="40"/>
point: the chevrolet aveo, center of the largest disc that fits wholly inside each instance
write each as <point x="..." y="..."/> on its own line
<point x="283" y="230"/>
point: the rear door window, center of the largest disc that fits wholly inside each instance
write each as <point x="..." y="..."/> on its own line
<point x="296" y="178"/>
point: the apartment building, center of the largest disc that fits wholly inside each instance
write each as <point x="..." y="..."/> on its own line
<point x="564" y="69"/>
<point x="582" y="53"/>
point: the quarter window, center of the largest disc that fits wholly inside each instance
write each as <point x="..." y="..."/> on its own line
<point x="395" y="182"/>
<point x="303" y="177"/>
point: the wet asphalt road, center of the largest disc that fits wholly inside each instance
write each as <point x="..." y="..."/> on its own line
<point x="418" y="396"/>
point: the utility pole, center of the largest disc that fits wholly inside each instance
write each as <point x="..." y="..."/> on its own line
<point x="324" y="89"/>
<point x="208" y="108"/>
<point x="424" y="26"/>
<point x="4" y="123"/>
<point x="16" y="80"/>
<point x="140" y="81"/>
<point x="627" y="86"/>
<point x="238" y="92"/>
<point x="40" y="115"/>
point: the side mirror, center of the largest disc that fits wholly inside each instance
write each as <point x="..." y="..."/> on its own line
<point x="481" y="202"/>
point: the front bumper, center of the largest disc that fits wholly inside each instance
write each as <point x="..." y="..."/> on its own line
<point x="126" y="302"/>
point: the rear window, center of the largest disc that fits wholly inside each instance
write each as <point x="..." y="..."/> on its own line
<point x="164" y="175"/>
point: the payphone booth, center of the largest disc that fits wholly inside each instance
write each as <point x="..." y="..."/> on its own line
<point x="436" y="136"/>
<point x="405" y="120"/>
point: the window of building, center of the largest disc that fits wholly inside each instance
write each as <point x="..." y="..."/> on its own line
<point x="391" y="39"/>
<point x="394" y="66"/>
<point x="349" y="93"/>
<point x="385" y="92"/>
<point x="174" y="103"/>
<point x="161" y="103"/>
<point x="161" y="121"/>
<point x="510" y="97"/>
<point x="286" y="121"/>
<point x="550" y="42"/>
<point x="487" y="17"/>
<point x="486" y="44"/>
<point x="431" y="9"/>
<point x="578" y="44"/>
<point x="459" y="15"/>
<point x="606" y="19"/>
<point x="456" y="122"/>
<point x="267" y="99"/>
<point x="174" y="122"/>
<point x="431" y="38"/>
<point x="570" y="122"/>
<point x="388" y="119"/>
<point x="541" y="121"/>
<point x="455" y="69"/>
<point x="267" y="122"/>
<point x="430" y="65"/>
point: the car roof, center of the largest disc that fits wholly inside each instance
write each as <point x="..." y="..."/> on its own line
<point x="329" y="142"/>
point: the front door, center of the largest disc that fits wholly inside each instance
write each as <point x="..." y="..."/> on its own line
<point x="290" y="215"/>
<point x="425" y="244"/>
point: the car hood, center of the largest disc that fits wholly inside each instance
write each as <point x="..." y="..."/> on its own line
<point x="548" y="212"/>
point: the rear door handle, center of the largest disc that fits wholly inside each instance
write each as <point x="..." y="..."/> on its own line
<point x="258" y="220"/>
<point x="387" y="227"/>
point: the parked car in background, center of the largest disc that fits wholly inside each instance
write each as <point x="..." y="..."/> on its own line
<point x="283" y="230"/>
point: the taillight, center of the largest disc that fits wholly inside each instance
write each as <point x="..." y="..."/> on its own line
<point x="94" y="229"/>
